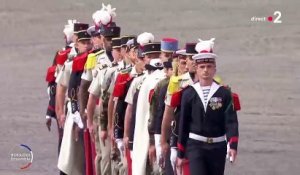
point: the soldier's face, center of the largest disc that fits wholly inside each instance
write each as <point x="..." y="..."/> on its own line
<point x="165" y="56"/>
<point x="97" y="42"/>
<point x="106" y="42"/>
<point x="133" y="55"/>
<point x="74" y="38"/>
<point x="116" y="53"/>
<point x="139" y="65"/>
<point x="190" y="64"/>
<point x="206" y="71"/>
<point x="83" y="46"/>
<point x="168" y="71"/>
<point x="182" y="68"/>
<point x="123" y="52"/>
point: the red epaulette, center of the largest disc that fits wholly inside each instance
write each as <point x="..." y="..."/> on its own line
<point x="62" y="56"/>
<point x="236" y="101"/>
<point x="50" y="74"/>
<point x="120" y="84"/>
<point x="151" y="93"/>
<point x="176" y="98"/>
<point x="129" y="78"/>
<point x="79" y="62"/>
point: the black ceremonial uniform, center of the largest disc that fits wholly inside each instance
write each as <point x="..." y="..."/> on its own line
<point x="201" y="131"/>
<point x="75" y="79"/>
<point x="121" y="104"/>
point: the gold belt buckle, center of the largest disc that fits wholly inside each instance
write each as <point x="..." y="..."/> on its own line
<point x="209" y="140"/>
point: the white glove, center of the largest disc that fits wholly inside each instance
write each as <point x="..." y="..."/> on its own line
<point x="48" y="92"/>
<point x="120" y="145"/>
<point x="77" y="119"/>
<point x="227" y="155"/>
<point x="173" y="158"/>
<point x="158" y="150"/>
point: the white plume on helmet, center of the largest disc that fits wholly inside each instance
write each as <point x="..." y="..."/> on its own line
<point x="205" y="45"/>
<point x="69" y="30"/>
<point x="145" y="38"/>
<point x="104" y="16"/>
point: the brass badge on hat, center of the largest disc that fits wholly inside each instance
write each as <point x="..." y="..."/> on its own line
<point x="215" y="103"/>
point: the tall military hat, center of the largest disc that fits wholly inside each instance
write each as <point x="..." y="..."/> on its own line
<point x="190" y="49"/>
<point x="151" y="48"/>
<point x="93" y="31"/>
<point x="181" y="52"/>
<point x="205" y="51"/>
<point x="110" y="31"/>
<point x="169" y="45"/>
<point x="140" y="54"/>
<point x="125" y="39"/>
<point x="80" y="27"/>
<point x="83" y="35"/>
<point x="116" y="43"/>
<point x="132" y="43"/>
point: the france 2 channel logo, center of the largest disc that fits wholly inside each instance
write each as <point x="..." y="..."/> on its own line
<point x="275" y="18"/>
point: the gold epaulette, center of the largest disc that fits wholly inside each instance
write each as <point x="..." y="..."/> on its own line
<point x="174" y="84"/>
<point x="218" y="79"/>
<point x="92" y="60"/>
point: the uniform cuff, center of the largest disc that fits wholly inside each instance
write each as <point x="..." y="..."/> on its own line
<point x="180" y="154"/>
<point x="233" y="142"/>
<point x="103" y="126"/>
<point x="151" y="139"/>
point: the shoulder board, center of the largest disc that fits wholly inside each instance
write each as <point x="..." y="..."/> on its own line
<point x="79" y="62"/>
<point x="50" y="74"/>
<point x="98" y="52"/>
<point x="62" y="56"/>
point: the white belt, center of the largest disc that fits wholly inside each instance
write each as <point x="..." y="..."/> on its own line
<point x="207" y="139"/>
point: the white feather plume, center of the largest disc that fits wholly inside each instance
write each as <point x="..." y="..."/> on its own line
<point x="104" y="16"/>
<point x="111" y="11"/>
<point x="69" y="30"/>
<point x="145" y="38"/>
<point x="103" y="6"/>
<point x="97" y="17"/>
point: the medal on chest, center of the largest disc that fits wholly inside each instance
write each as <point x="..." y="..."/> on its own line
<point x="215" y="103"/>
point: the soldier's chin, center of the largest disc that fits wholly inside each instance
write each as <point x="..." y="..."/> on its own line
<point x="206" y="77"/>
